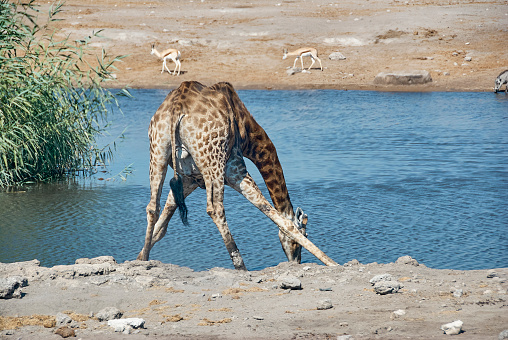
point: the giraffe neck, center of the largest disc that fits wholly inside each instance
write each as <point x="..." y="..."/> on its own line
<point x="257" y="146"/>
<point x="260" y="150"/>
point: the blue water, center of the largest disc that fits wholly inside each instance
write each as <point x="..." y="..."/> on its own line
<point x="381" y="175"/>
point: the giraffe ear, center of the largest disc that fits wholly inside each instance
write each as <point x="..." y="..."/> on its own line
<point x="301" y="217"/>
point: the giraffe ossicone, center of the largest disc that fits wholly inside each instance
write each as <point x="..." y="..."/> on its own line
<point x="204" y="133"/>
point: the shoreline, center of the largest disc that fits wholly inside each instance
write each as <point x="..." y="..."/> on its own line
<point x="403" y="299"/>
<point x="308" y="87"/>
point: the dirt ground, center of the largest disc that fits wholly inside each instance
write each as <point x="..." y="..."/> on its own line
<point x="241" y="42"/>
<point x="307" y="301"/>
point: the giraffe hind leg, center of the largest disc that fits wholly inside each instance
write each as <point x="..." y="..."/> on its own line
<point x="158" y="169"/>
<point x="162" y="223"/>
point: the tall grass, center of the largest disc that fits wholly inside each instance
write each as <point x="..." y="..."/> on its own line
<point x="53" y="104"/>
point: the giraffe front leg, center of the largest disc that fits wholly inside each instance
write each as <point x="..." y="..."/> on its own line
<point x="215" y="208"/>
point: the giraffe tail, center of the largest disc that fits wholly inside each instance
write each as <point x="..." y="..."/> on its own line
<point x="176" y="182"/>
<point x="176" y="185"/>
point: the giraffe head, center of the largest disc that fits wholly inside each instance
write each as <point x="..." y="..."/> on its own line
<point x="292" y="248"/>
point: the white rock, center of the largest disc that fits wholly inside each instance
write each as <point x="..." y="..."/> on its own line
<point x="452" y="328"/>
<point x="336" y="56"/>
<point x="379" y="278"/>
<point x="324" y="304"/>
<point x="124" y="325"/>
<point x="398" y="313"/>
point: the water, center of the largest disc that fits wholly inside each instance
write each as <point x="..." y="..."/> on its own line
<point x="381" y="175"/>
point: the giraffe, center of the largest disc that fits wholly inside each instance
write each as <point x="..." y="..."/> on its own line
<point x="203" y="133"/>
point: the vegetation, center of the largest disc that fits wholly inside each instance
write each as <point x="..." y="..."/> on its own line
<point x="52" y="103"/>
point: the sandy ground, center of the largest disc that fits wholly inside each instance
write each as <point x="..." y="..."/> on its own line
<point x="176" y="302"/>
<point x="242" y="42"/>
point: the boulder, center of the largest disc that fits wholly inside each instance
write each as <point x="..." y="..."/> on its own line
<point x="403" y="78"/>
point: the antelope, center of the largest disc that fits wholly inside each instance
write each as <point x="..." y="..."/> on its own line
<point x="171" y="54"/>
<point x="501" y="79"/>
<point x="303" y="52"/>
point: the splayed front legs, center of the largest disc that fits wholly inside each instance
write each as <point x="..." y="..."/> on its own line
<point x="241" y="181"/>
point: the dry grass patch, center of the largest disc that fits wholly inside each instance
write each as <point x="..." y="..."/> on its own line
<point x="156" y="302"/>
<point x="207" y="322"/>
<point x="225" y="309"/>
<point x="173" y="290"/>
<point x="11" y="322"/>
<point x="173" y="318"/>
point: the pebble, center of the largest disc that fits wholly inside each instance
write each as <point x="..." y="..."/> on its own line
<point x="65" y="332"/>
<point x="62" y="319"/>
<point x="290" y="282"/>
<point x="387" y="287"/>
<point x="503" y="335"/>
<point x="109" y="313"/>
<point x="324" y="304"/>
<point x="398" y="313"/>
<point x="379" y="278"/>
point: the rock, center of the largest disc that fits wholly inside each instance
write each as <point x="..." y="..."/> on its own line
<point x="353" y="262"/>
<point x="397" y="314"/>
<point x="503" y="335"/>
<point x="292" y="70"/>
<point x="452" y="328"/>
<point x="379" y="278"/>
<point x="289" y="282"/>
<point x="62" y="319"/>
<point x="65" y="332"/>
<point x="458" y="293"/>
<point x="336" y="56"/>
<point x="109" y="313"/>
<point x="407" y="260"/>
<point x="10" y="287"/>
<point x="403" y="78"/>
<point x="387" y="287"/>
<point x="467" y="58"/>
<point x="96" y="260"/>
<point x="344" y="337"/>
<point x="126" y="325"/>
<point x="324" y="304"/>
<point x="492" y="274"/>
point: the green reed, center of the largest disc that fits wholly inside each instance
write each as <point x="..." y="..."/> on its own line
<point x="53" y="105"/>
